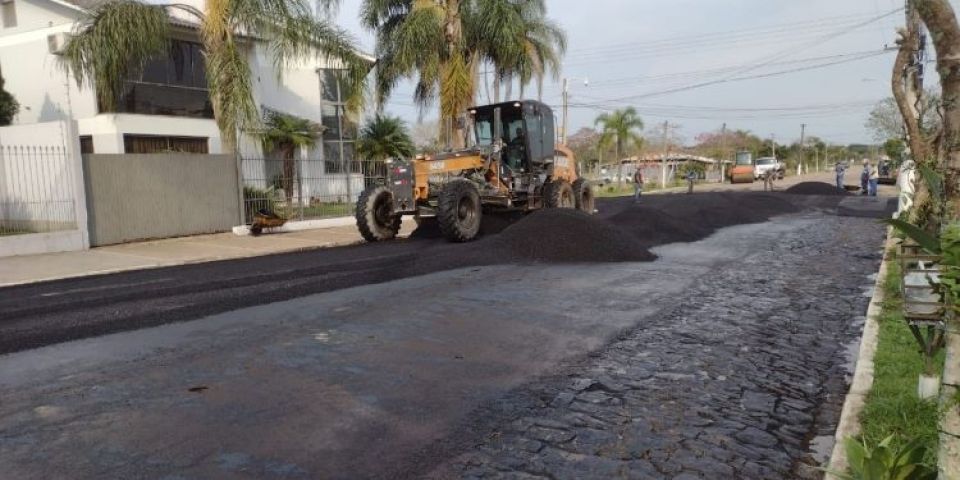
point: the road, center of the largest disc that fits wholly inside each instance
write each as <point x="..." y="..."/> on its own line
<point x="725" y="353"/>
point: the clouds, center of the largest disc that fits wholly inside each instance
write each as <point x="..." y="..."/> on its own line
<point x="634" y="47"/>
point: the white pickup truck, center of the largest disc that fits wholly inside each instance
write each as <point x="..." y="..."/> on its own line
<point x="765" y="164"/>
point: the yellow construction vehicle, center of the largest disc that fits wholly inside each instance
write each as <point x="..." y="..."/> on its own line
<point x="511" y="163"/>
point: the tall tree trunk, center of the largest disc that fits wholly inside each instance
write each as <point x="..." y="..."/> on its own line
<point x="509" y="88"/>
<point x="457" y="84"/>
<point x="619" y="162"/>
<point x="906" y="102"/>
<point x="941" y="21"/>
<point x="496" y="87"/>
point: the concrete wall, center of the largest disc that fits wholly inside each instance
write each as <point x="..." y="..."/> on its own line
<point x="41" y="189"/>
<point x="137" y="197"/>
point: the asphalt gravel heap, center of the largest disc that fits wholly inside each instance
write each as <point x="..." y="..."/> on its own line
<point x="815" y="188"/>
<point x="562" y="235"/>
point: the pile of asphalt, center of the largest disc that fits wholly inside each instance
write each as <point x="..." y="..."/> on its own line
<point x="657" y="220"/>
<point x="815" y="188"/>
<point x="563" y="235"/>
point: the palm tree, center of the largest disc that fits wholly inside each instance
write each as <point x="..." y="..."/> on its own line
<point x="536" y="49"/>
<point x="118" y="37"/>
<point x="286" y="134"/>
<point x="620" y="127"/>
<point x="442" y="42"/>
<point x="385" y="137"/>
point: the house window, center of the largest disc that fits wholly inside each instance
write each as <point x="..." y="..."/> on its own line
<point x="86" y="144"/>
<point x="340" y="130"/>
<point x="172" y="85"/>
<point x="9" y="13"/>
<point x="162" y="144"/>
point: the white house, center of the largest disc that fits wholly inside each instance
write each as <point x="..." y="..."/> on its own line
<point x="168" y="107"/>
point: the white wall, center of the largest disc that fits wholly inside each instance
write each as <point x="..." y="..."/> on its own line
<point x="297" y="92"/>
<point x="39" y="14"/>
<point x="35" y="78"/>
<point x="37" y="175"/>
<point x="108" y="129"/>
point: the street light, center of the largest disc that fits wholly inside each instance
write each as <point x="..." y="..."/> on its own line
<point x="566" y="105"/>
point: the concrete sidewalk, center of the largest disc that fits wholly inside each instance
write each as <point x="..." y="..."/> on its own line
<point x="172" y="251"/>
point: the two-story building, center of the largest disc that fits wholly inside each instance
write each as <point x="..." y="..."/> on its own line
<point x="168" y="106"/>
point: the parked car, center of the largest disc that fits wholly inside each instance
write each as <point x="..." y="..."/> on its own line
<point x="765" y="164"/>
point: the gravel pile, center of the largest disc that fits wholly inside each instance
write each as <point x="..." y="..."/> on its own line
<point x="561" y="235"/>
<point x="815" y="188"/>
<point x="657" y="221"/>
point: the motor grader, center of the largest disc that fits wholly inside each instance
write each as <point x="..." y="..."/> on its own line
<point x="511" y="163"/>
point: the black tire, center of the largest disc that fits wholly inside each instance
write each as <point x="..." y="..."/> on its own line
<point x="375" y="218"/>
<point x="459" y="211"/>
<point x="559" y="194"/>
<point x="583" y="195"/>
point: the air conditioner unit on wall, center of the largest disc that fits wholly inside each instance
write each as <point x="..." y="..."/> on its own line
<point x="56" y="42"/>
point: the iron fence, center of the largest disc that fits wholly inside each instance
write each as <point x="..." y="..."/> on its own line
<point x="307" y="188"/>
<point x="37" y="190"/>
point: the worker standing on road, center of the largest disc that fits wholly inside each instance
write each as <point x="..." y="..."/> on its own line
<point x="873" y="180"/>
<point x="637" y="185"/>
<point x="865" y="177"/>
<point x="840" y="169"/>
<point x="768" y="177"/>
<point x="691" y="176"/>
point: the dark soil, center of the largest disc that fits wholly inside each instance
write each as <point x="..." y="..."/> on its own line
<point x="51" y="312"/>
<point x="815" y="188"/>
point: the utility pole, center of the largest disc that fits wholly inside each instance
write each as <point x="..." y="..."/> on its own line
<point x="666" y="150"/>
<point x="723" y="148"/>
<point x="773" y="144"/>
<point x="566" y="110"/>
<point x="803" y="145"/>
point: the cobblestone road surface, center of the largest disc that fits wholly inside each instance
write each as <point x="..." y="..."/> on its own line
<point x="732" y="382"/>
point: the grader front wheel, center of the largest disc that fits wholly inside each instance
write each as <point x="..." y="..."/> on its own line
<point x="375" y="218"/>
<point x="459" y="211"/>
<point x="583" y="193"/>
<point x="559" y="194"/>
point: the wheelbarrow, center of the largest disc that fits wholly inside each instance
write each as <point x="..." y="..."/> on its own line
<point x="264" y="218"/>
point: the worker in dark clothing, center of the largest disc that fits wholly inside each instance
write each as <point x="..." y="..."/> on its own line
<point x="637" y="185"/>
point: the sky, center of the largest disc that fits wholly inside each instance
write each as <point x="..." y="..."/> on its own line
<point x="816" y="62"/>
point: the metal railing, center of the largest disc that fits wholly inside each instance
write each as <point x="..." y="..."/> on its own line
<point x="309" y="188"/>
<point x="36" y="190"/>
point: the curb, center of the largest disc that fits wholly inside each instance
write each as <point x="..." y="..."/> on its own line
<point x="855" y="400"/>
<point x="949" y="455"/>
<point x="299" y="225"/>
<point x="191" y="261"/>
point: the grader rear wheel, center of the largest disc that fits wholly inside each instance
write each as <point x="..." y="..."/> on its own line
<point x="583" y="193"/>
<point x="559" y="194"/>
<point x="375" y="218"/>
<point x="459" y="211"/>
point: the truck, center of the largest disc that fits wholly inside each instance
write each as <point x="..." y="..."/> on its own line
<point x="766" y="164"/>
<point x="512" y="163"/>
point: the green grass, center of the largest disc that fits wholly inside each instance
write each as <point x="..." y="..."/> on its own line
<point x="892" y="407"/>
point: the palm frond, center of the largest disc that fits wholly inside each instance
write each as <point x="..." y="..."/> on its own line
<point x="112" y="43"/>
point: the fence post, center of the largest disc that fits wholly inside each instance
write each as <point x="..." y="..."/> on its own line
<point x="75" y="164"/>
<point x="299" y="173"/>
<point x="240" y="197"/>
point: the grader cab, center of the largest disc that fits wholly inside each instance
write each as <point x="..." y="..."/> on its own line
<point x="511" y="164"/>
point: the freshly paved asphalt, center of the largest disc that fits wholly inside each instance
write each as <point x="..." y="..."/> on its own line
<point x="390" y="379"/>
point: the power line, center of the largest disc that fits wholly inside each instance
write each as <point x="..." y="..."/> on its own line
<point x="741" y="78"/>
